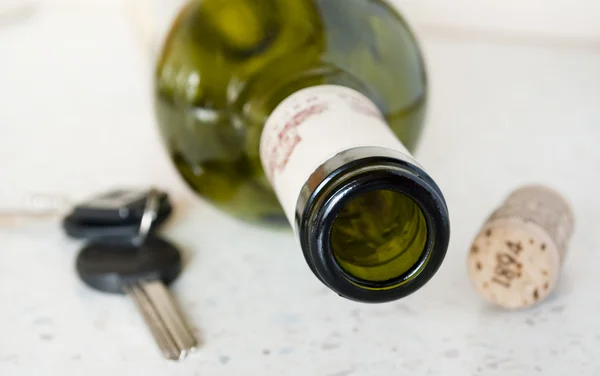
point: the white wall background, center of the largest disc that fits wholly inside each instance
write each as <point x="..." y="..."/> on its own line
<point x="577" y="20"/>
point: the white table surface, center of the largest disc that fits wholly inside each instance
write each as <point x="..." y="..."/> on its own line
<point x="76" y="118"/>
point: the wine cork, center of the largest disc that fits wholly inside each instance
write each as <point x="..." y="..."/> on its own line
<point x="516" y="258"/>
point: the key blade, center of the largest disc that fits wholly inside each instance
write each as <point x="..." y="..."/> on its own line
<point x="165" y="305"/>
<point x="153" y="319"/>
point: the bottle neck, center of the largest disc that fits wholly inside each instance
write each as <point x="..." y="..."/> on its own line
<point x="326" y="145"/>
<point x="349" y="175"/>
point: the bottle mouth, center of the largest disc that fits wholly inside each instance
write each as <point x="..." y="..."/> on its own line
<point x="378" y="236"/>
<point x="375" y="229"/>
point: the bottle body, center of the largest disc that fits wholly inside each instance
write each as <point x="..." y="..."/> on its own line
<point x="227" y="64"/>
<point x="305" y="112"/>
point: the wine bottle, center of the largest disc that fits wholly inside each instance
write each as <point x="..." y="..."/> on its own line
<point x="306" y="112"/>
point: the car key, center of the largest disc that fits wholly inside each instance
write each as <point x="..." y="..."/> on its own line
<point x="118" y="213"/>
<point x="119" y="206"/>
<point x="143" y="272"/>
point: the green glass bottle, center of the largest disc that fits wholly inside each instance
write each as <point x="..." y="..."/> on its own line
<point x="305" y="112"/>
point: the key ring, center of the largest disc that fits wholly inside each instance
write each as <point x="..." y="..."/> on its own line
<point x="150" y="213"/>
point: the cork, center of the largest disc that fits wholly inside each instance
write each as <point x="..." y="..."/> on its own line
<point x="516" y="258"/>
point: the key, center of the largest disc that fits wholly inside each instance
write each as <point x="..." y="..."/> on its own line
<point x="143" y="272"/>
<point x="117" y="207"/>
<point x="118" y="213"/>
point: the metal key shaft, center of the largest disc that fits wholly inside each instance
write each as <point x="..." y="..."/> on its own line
<point x="170" y="330"/>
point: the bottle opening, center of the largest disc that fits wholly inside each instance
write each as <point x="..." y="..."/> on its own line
<point x="373" y="227"/>
<point x="379" y="236"/>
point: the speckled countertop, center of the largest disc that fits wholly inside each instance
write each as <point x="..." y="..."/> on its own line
<point x="502" y="113"/>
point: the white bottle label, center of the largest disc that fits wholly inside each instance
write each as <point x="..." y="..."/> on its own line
<point x="310" y="127"/>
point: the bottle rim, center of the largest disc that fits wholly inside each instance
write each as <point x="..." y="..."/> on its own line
<point x="373" y="172"/>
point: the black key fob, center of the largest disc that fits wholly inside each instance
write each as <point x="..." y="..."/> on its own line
<point x="117" y="207"/>
<point x="117" y="213"/>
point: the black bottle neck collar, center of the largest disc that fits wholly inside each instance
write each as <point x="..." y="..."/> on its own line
<point x="352" y="173"/>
